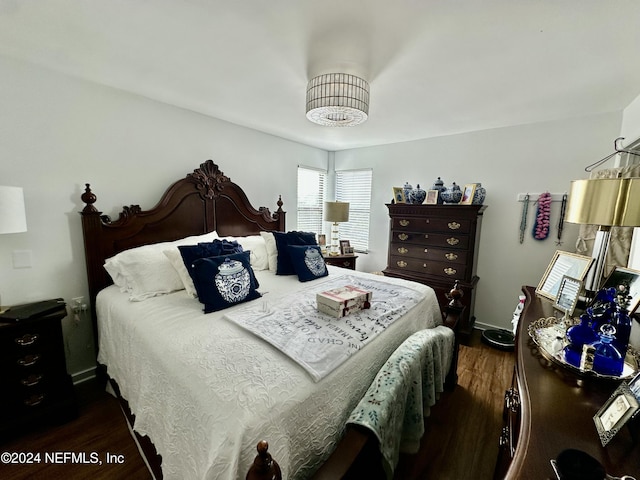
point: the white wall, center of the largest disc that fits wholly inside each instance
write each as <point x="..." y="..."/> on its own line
<point x="59" y="133"/>
<point x="507" y="161"/>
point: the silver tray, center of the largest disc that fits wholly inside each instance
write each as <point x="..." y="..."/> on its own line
<point x="550" y="333"/>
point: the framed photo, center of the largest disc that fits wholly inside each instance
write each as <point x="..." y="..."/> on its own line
<point x="344" y="245"/>
<point x="432" y="197"/>
<point x="467" y="194"/>
<point x="634" y="386"/>
<point x="563" y="263"/>
<point x="621" y="406"/>
<point x="568" y="293"/>
<point x="627" y="284"/>
<point x="398" y="195"/>
<point x="322" y="240"/>
<point x="348" y="250"/>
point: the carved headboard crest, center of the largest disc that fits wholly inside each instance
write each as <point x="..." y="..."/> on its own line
<point x="209" y="179"/>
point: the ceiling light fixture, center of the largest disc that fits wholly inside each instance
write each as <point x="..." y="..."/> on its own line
<point x="337" y="100"/>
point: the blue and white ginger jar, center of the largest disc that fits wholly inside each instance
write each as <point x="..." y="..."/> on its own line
<point x="233" y="281"/>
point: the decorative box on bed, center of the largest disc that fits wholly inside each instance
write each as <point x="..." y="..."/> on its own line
<point x="205" y="388"/>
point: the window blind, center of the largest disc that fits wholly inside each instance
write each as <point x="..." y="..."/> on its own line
<point x="311" y="196"/>
<point x="354" y="186"/>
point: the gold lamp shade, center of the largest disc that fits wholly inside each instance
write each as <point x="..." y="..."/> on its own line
<point x="336" y="212"/>
<point x="605" y="201"/>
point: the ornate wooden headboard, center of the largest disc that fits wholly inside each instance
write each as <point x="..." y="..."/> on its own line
<point x="203" y="201"/>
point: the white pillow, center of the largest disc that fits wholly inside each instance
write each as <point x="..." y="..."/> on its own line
<point x="258" y="248"/>
<point x="146" y="272"/>
<point x="272" y="250"/>
<point x="175" y="257"/>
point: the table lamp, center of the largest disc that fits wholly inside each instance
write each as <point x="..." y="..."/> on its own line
<point x="335" y="212"/>
<point x="12" y="213"/>
<point x="605" y="202"/>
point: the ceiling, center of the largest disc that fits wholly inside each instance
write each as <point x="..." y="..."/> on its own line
<point x="435" y="67"/>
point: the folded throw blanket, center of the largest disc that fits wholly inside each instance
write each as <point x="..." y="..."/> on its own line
<point x="403" y="391"/>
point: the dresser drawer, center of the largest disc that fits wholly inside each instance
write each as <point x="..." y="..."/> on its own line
<point x="431" y="239"/>
<point x="441" y="269"/>
<point x="429" y="253"/>
<point x="432" y="224"/>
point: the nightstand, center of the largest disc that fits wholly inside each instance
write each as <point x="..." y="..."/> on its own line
<point x="344" y="261"/>
<point x="36" y="388"/>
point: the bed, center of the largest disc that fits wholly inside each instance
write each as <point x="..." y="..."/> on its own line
<point x="203" y="389"/>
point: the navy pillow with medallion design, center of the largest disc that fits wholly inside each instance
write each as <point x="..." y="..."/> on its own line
<point x="224" y="281"/>
<point x="283" y="241"/>
<point x="308" y="262"/>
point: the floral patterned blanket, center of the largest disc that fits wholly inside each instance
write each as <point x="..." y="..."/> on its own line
<point x="403" y="391"/>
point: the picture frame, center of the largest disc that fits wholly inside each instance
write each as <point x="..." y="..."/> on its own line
<point x="344" y="245"/>
<point x="348" y="251"/>
<point x="322" y="240"/>
<point x="625" y="280"/>
<point x="563" y="263"/>
<point x="615" y="413"/>
<point x="398" y="195"/>
<point x="634" y="386"/>
<point x="568" y="294"/>
<point x="467" y="194"/>
<point x="432" y="197"/>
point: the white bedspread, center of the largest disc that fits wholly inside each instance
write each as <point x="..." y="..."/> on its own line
<point x="206" y="391"/>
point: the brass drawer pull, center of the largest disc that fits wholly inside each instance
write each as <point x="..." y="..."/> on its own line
<point x="27" y="339"/>
<point x="453" y="241"/>
<point x="29" y="360"/>
<point x="450" y="271"/>
<point x="31" y="380"/>
<point x="454" y="225"/>
<point x="34" y="400"/>
<point x="401" y="263"/>
<point x="404" y="222"/>
<point x="451" y="256"/>
<point x="402" y="250"/>
<point x="403" y="236"/>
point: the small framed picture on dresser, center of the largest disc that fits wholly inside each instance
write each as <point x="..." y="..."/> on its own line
<point x="345" y="247"/>
<point x="467" y="194"/>
<point x="398" y="195"/>
<point x="615" y="413"/>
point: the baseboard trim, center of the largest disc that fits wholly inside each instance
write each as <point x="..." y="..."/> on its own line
<point x="84" y="375"/>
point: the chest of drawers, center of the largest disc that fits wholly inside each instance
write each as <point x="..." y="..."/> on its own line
<point x="437" y="245"/>
<point x="36" y="388"/>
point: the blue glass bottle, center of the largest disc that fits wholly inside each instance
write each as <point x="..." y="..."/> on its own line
<point x="578" y="336"/>
<point x="622" y="323"/>
<point x="607" y="359"/>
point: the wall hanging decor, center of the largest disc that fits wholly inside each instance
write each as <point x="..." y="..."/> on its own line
<point x="541" y="225"/>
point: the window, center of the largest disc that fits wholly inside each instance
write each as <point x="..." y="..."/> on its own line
<point x="311" y="195"/>
<point x="354" y="186"/>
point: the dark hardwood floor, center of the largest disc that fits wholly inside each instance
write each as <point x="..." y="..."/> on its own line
<point x="461" y="441"/>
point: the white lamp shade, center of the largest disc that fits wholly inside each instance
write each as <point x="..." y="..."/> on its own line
<point x="13" y="218"/>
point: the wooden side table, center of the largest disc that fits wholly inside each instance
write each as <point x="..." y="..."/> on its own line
<point x="344" y="261"/>
<point x="36" y="388"/>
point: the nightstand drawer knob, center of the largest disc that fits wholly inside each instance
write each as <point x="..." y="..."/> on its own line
<point x="27" y="339"/>
<point x="34" y="400"/>
<point x="29" y="360"/>
<point x="31" y="380"/>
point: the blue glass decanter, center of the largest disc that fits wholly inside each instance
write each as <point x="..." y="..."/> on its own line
<point x="622" y="323"/>
<point x="578" y="336"/>
<point x="607" y="359"/>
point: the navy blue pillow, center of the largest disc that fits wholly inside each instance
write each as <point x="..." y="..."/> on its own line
<point x="224" y="281"/>
<point x="190" y="253"/>
<point x="308" y="262"/>
<point x="284" y="265"/>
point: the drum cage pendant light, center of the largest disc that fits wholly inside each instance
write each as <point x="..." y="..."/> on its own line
<point x="337" y="100"/>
